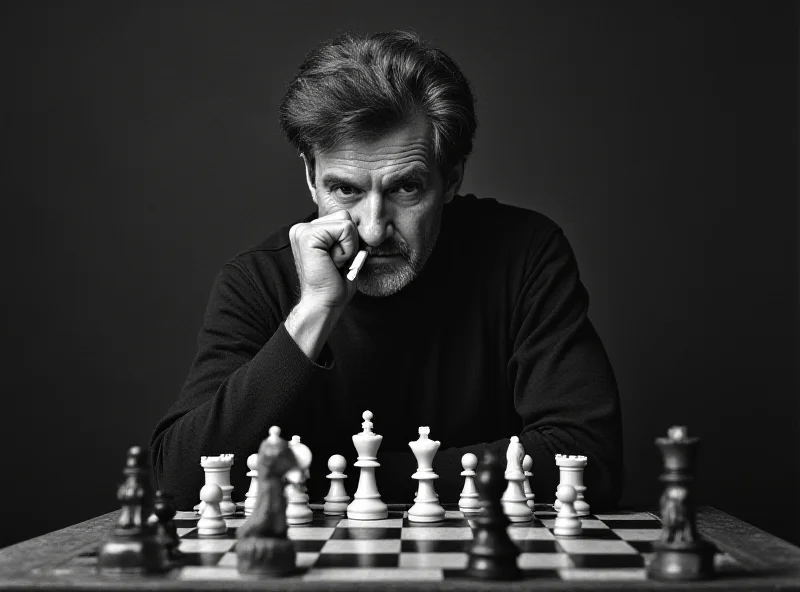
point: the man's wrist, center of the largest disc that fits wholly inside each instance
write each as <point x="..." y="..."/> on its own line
<point x="310" y="325"/>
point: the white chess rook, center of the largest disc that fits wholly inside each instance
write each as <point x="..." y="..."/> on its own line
<point x="367" y="504"/>
<point x="337" y="499"/>
<point x="426" y="506"/>
<point x="218" y="472"/>
<point x="571" y="467"/>
<point x="470" y="501"/>
<point x="297" y="509"/>
<point x="252" y="494"/>
<point x="515" y="504"/>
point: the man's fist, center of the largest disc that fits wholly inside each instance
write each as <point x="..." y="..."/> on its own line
<point x="322" y="250"/>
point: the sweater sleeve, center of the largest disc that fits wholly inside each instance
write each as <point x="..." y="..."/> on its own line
<point x="248" y="374"/>
<point x="563" y="386"/>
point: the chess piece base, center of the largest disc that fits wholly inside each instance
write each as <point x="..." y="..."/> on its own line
<point x="675" y="562"/>
<point x="132" y="556"/>
<point x="426" y="512"/>
<point x="268" y="557"/>
<point x="335" y="508"/>
<point x="367" y="509"/>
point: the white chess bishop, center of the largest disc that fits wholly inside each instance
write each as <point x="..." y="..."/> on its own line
<point x="297" y="509"/>
<point x="367" y="504"/>
<point x="426" y="506"/>
<point x="515" y="504"/>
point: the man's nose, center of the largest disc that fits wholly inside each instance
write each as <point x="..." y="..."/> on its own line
<point x="374" y="220"/>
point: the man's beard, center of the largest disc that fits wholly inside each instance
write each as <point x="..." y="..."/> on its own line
<point x="385" y="279"/>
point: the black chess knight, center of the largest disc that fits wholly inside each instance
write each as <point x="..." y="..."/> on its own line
<point x="262" y="546"/>
<point x="681" y="554"/>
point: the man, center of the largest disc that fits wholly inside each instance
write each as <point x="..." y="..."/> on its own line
<point x="468" y="316"/>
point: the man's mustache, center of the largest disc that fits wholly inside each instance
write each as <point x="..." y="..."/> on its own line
<point x="386" y="249"/>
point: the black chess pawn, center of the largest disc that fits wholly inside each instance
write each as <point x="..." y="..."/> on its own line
<point x="162" y="519"/>
<point x="492" y="554"/>
<point x="133" y="546"/>
<point x="681" y="554"/>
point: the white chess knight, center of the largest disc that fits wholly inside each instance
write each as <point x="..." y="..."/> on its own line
<point x="367" y="504"/>
<point x="470" y="501"/>
<point x="337" y="499"/>
<point x="297" y="509"/>
<point x="426" y="506"/>
<point x="515" y="504"/>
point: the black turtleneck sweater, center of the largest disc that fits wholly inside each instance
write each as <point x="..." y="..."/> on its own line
<point x="491" y="340"/>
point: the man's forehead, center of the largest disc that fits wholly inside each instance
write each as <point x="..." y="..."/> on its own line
<point x="407" y="144"/>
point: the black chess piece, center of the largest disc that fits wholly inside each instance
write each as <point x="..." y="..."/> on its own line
<point x="166" y="531"/>
<point x="133" y="546"/>
<point x="262" y="546"/>
<point x="681" y="554"/>
<point x="492" y="554"/>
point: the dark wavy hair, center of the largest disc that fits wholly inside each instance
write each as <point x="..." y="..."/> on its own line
<point x="359" y="87"/>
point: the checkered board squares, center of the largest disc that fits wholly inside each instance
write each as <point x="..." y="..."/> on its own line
<point x="612" y="547"/>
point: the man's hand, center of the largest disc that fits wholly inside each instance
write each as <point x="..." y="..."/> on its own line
<point x="322" y="250"/>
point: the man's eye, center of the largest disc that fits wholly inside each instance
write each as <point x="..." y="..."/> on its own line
<point x="407" y="188"/>
<point x="344" y="190"/>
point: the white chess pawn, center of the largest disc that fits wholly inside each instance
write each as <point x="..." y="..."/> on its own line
<point x="211" y="522"/>
<point x="252" y="494"/>
<point x="567" y="523"/>
<point x="426" y="506"/>
<point x="337" y="499"/>
<point x="527" y="465"/>
<point x="470" y="502"/>
<point x="367" y="504"/>
<point x="515" y="504"/>
<point x="297" y="509"/>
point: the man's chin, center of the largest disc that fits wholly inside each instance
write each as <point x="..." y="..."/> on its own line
<point x="380" y="285"/>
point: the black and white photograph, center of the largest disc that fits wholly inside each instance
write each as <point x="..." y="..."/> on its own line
<point x="400" y="296"/>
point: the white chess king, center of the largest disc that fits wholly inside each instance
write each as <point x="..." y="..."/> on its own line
<point x="367" y="504"/>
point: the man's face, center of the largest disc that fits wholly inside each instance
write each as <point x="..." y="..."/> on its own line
<point x="394" y="193"/>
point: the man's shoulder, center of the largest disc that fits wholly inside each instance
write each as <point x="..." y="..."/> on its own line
<point x="270" y="259"/>
<point x="506" y="220"/>
<point x="275" y="242"/>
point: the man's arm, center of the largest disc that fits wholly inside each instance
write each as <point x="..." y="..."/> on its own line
<point x="563" y="385"/>
<point x="248" y="375"/>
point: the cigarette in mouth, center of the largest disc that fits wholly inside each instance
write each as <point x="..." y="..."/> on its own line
<point x="356" y="265"/>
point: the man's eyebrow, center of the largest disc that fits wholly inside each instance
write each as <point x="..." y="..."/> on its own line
<point x="336" y="178"/>
<point x="417" y="172"/>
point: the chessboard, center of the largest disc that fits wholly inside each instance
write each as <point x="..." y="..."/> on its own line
<point x="612" y="548"/>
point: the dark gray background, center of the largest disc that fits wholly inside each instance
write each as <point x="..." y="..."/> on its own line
<point x="142" y="151"/>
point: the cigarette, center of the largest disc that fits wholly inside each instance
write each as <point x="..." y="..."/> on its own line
<point x="357" y="264"/>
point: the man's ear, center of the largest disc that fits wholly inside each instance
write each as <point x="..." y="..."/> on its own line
<point x="453" y="182"/>
<point x="307" y="169"/>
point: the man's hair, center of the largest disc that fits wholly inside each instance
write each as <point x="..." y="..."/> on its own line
<point x="359" y="87"/>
